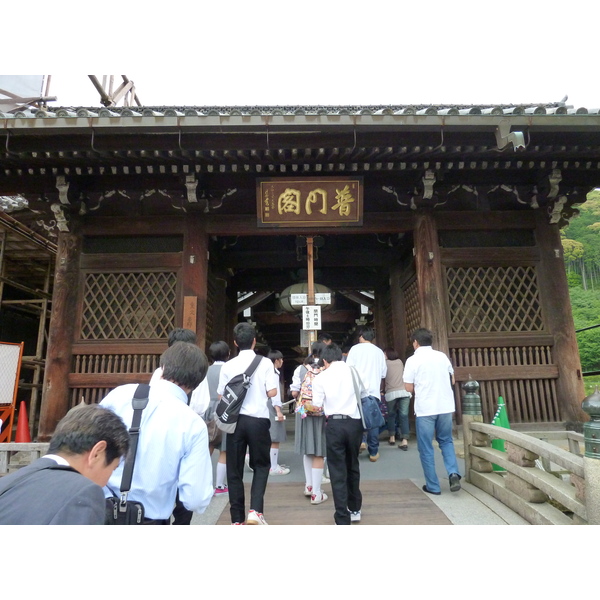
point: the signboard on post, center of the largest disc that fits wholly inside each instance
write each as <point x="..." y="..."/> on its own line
<point x="302" y="299"/>
<point x="312" y="202"/>
<point x="311" y="317"/>
<point x="305" y="338"/>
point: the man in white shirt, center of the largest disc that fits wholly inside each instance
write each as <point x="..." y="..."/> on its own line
<point x="369" y="362"/>
<point x="430" y="375"/>
<point x="200" y="397"/>
<point x="333" y="389"/>
<point x="172" y="454"/>
<point x="198" y="402"/>
<point x="252" y="429"/>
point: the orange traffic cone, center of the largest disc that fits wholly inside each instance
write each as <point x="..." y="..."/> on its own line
<point x="23" y="425"/>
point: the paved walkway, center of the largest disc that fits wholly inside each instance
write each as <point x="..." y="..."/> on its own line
<point x="391" y="488"/>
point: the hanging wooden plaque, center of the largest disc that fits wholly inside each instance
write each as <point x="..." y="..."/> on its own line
<point x="309" y="202"/>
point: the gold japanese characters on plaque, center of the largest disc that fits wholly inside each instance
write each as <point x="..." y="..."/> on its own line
<point x="320" y="202"/>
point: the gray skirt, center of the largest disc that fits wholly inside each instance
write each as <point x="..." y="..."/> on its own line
<point x="310" y="435"/>
<point x="277" y="430"/>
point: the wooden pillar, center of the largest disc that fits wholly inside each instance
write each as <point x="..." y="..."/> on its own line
<point x="429" y="279"/>
<point x="55" y="399"/>
<point x="558" y="316"/>
<point x="380" y="319"/>
<point x="195" y="278"/>
<point x="398" y="313"/>
<point x="221" y="329"/>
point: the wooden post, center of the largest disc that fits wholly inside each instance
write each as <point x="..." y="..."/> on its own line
<point x="221" y="310"/>
<point x="558" y="316"/>
<point x="312" y="334"/>
<point x="55" y="399"/>
<point x="429" y="278"/>
<point x="195" y="274"/>
<point x="382" y="338"/>
<point x="398" y="313"/>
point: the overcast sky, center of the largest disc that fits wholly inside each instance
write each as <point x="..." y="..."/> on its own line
<point x="323" y="52"/>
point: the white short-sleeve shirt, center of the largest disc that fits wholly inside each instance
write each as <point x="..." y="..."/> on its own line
<point x="429" y="371"/>
<point x="369" y="361"/>
<point x="263" y="380"/>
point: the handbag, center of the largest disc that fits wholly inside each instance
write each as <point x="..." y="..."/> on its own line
<point x="120" y="511"/>
<point x="368" y="405"/>
<point x="215" y="435"/>
<point x="231" y="401"/>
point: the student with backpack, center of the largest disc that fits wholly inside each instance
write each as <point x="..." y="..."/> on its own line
<point x="310" y="430"/>
<point x="252" y="429"/>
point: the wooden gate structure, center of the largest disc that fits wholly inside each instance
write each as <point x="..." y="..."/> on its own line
<point x="157" y="225"/>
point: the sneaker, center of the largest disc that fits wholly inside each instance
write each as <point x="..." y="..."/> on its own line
<point x="221" y="489"/>
<point x="362" y="448"/>
<point x="325" y="479"/>
<point x="318" y="498"/>
<point x="426" y="489"/>
<point x="374" y="458"/>
<point x="280" y="470"/>
<point x="454" y="482"/>
<point x="255" y="518"/>
<point x="308" y="490"/>
<point x="354" y="516"/>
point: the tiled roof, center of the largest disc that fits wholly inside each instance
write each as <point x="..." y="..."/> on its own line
<point x="556" y="108"/>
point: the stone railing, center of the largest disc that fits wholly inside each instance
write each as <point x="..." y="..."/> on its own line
<point x="14" y="455"/>
<point x="541" y="481"/>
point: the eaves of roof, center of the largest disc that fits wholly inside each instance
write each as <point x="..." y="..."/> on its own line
<point x="301" y="117"/>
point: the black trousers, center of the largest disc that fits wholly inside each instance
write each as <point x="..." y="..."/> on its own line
<point x="252" y="433"/>
<point x="344" y="437"/>
<point x="181" y="515"/>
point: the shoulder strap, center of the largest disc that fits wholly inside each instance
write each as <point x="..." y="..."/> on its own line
<point x="250" y="370"/>
<point x="357" y="394"/>
<point x="140" y="401"/>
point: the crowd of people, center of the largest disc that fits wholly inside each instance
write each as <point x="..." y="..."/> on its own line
<point x="173" y="471"/>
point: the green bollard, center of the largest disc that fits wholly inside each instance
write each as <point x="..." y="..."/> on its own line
<point x="500" y="420"/>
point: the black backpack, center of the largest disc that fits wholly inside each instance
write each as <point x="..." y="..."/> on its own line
<point x="228" y="408"/>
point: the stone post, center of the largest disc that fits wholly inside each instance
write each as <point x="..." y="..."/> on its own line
<point x="591" y="458"/>
<point x="471" y="412"/>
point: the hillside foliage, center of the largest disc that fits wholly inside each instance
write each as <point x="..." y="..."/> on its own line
<point x="581" y="245"/>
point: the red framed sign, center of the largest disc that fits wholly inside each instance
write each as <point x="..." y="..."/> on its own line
<point x="310" y="201"/>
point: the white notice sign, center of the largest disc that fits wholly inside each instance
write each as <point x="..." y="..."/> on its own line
<point x="305" y="338"/>
<point x="302" y="299"/>
<point x="311" y="317"/>
<point x="323" y="298"/>
<point x="298" y="299"/>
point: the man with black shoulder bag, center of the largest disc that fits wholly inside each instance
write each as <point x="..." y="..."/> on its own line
<point x="172" y="450"/>
<point x="252" y="426"/>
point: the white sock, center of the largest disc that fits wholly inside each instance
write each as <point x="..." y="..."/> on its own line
<point x="274" y="457"/>
<point x="317" y="474"/>
<point x="307" y="461"/>
<point x="221" y="474"/>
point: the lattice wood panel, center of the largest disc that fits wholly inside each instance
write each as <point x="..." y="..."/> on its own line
<point x="502" y="356"/>
<point x="128" y="305"/>
<point x="115" y="363"/>
<point x="492" y="299"/>
<point x="527" y="400"/>
<point x="412" y="309"/>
